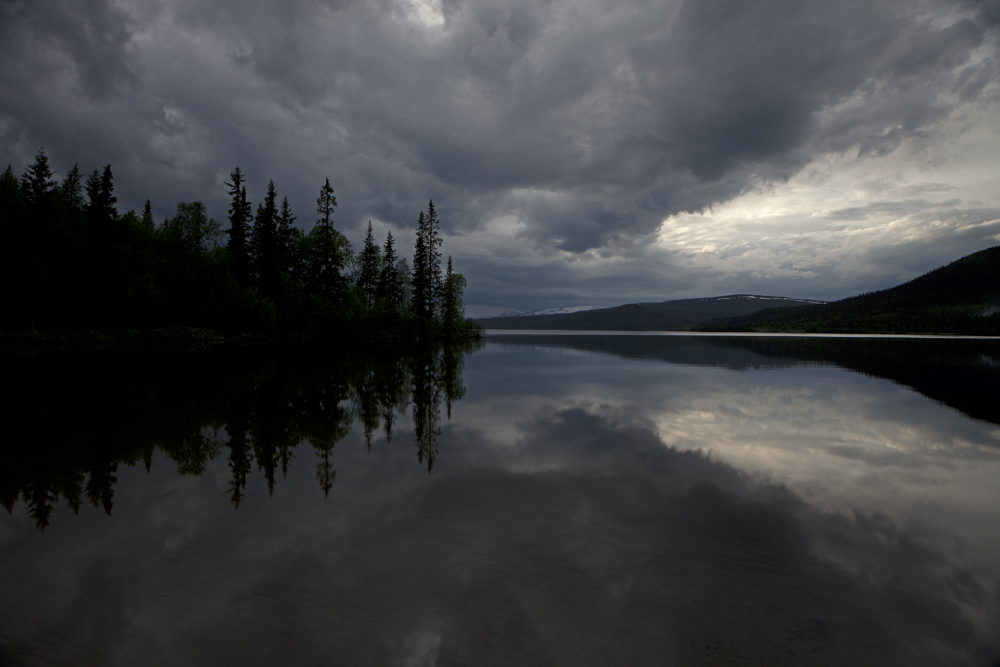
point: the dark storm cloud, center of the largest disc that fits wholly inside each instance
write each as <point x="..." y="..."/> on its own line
<point x="587" y="123"/>
<point x="587" y="120"/>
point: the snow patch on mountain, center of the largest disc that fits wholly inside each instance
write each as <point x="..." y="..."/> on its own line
<point x="757" y="297"/>
<point x="547" y="311"/>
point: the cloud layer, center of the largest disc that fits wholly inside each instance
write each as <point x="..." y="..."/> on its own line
<point x="575" y="128"/>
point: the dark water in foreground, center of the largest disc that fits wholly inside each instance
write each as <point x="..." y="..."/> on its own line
<point x="592" y="500"/>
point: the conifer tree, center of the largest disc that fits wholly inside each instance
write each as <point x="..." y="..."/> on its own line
<point x="288" y="239"/>
<point x="240" y="211"/>
<point x="37" y="183"/>
<point x="371" y="258"/>
<point x="147" y="216"/>
<point x="9" y="190"/>
<point x="325" y="246"/>
<point x="72" y="191"/>
<point x="434" y="242"/>
<point x="15" y="236"/>
<point x="264" y="242"/>
<point x="68" y="233"/>
<point x="452" y="308"/>
<point x="103" y="256"/>
<point x="423" y="298"/>
<point x="388" y="280"/>
<point x="10" y="207"/>
<point x="100" y="191"/>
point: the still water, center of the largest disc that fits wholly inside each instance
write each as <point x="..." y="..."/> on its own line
<point x="549" y="500"/>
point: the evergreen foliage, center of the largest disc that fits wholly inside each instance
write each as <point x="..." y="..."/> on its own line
<point x="36" y="182"/>
<point x="422" y="299"/>
<point x="265" y="244"/>
<point x="147" y="215"/>
<point x="239" y="227"/>
<point x="325" y="252"/>
<point x="390" y="289"/>
<point x="370" y="268"/>
<point x="434" y="242"/>
<point x="452" y="308"/>
<point x="69" y="261"/>
<point x="289" y="237"/>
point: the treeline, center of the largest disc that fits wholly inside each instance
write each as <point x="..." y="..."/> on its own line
<point x="70" y="261"/>
<point x="76" y="419"/>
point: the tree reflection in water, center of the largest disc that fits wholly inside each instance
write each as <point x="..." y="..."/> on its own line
<point x="75" y="417"/>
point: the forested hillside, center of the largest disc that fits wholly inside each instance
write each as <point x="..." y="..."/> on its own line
<point x="676" y="315"/>
<point x="962" y="298"/>
<point x="70" y="261"/>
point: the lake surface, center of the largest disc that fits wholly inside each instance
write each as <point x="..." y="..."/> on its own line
<point x="544" y="499"/>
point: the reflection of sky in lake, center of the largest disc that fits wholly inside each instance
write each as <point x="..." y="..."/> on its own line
<point x="583" y="509"/>
<point x="841" y="440"/>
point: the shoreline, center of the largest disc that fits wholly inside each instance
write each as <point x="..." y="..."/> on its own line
<point x="726" y="334"/>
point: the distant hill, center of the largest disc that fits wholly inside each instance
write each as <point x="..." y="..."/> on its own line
<point x="678" y="315"/>
<point x="547" y="311"/>
<point x="962" y="298"/>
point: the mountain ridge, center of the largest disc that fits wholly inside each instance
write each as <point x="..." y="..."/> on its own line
<point x="673" y="315"/>
<point x="962" y="297"/>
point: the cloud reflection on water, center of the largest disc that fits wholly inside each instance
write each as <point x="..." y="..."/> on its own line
<point x="584" y="509"/>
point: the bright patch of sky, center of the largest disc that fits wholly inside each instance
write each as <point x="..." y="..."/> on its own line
<point x="842" y="210"/>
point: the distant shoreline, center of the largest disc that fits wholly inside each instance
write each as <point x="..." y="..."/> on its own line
<point x="723" y="334"/>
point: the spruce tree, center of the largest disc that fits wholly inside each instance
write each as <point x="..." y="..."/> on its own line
<point x="147" y="216"/>
<point x="72" y="191"/>
<point x="434" y="242"/>
<point x="388" y="279"/>
<point x="10" y="207"/>
<point x="69" y="236"/>
<point x="101" y="212"/>
<point x="264" y="242"/>
<point x="106" y="289"/>
<point x="452" y="308"/>
<point x="325" y="261"/>
<point x="288" y="239"/>
<point x="37" y="183"/>
<point x="371" y="258"/>
<point x="14" y="253"/>
<point x="240" y="211"/>
<point x="422" y="285"/>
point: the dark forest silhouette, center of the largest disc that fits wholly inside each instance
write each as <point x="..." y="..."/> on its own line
<point x="71" y="261"/>
<point x="77" y="418"/>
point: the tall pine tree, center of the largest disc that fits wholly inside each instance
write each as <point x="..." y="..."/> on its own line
<point x="389" y="288"/>
<point x="368" y="275"/>
<point x="423" y="286"/>
<point x="105" y="290"/>
<point x="434" y="242"/>
<point x="264" y="243"/>
<point x="452" y="308"/>
<point x="288" y="240"/>
<point x="33" y="281"/>
<point x="240" y="212"/>
<point x="324" y="255"/>
<point x="147" y="216"/>
<point x="13" y="236"/>
<point x="37" y="184"/>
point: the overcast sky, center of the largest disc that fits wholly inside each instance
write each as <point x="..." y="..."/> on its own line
<point x="578" y="151"/>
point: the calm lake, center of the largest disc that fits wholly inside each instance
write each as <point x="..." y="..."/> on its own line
<point x="538" y="500"/>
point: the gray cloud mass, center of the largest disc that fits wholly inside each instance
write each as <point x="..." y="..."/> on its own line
<point x="583" y="124"/>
